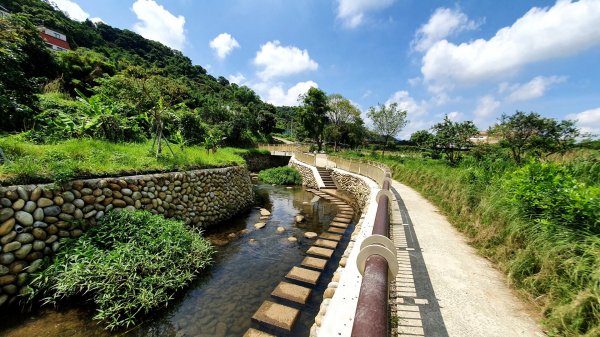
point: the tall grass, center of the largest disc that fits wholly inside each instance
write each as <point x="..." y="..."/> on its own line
<point x="32" y="163"/>
<point x="556" y="267"/>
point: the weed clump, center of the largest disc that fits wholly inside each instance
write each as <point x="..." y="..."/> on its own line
<point x="127" y="266"/>
<point x="281" y="176"/>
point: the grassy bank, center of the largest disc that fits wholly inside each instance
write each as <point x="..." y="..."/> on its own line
<point x="539" y="224"/>
<point x="33" y="163"/>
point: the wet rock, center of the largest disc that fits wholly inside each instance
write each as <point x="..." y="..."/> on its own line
<point x="78" y="215"/>
<point x="310" y="235"/>
<point x="52" y="211"/>
<point x="23" y="194"/>
<point x="88" y="199"/>
<point x="11" y="247"/>
<point x="59" y="201"/>
<point x="299" y="218"/>
<point x="39" y="234"/>
<point x="18" y="266"/>
<point x="7" y="258"/>
<point x="40" y="224"/>
<point x="44" y="202"/>
<point x="78" y="203"/>
<point x="5" y="202"/>
<point x="38" y="214"/>
<point x="86" y="191"/>
<point x="292" y="239"/>
<point x="22" y="252"/>
<point x="7" y="226"/>
<point x="29" y="207"/>
<point x="68" y="208"/>
<point x="119" y="203"/>
<point x="25" y="238"/>
<point x="4" y="270"/>
<point x="24" y="218"/>
<point x="260" y="225"/>
<point x="38" y="245"/>
<point x="6" y="213"/>
<point x="35" y="265"/>
<point x="18" y="205"/>
<point x="8" y="237"/>
<point x="68" y="196"/>
<point x="264" y="212"/>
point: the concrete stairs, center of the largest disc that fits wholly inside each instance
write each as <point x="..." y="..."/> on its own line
<point x="326" y="177"/>
<point x="279" y="315"/>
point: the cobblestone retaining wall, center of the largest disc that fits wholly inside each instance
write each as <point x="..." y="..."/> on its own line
<point x="33" y="218"/>
<point x="355" y="186"/>
<point x="308" y="178"/>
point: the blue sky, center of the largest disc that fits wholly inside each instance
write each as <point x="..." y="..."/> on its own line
<point x="471" y="59"/>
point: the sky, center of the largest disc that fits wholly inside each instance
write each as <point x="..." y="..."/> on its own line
<point x="470" y="59"/>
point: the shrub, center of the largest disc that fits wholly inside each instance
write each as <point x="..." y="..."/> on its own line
<point x="281" y="176"/>
<point x="128" y="265"/>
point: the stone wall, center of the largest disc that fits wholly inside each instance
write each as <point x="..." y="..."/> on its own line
<point x="34" y="217"/>
<point x="355" y="186"/>
<point x="308" y="178"/>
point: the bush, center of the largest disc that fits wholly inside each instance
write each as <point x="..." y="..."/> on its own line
<point x="128" y="265"/>
<point x="281" y="176"/>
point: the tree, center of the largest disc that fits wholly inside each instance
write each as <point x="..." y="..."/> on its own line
<point x="313" y="116"/>
<point x="541" y="136"/>
<point x="387" y="121"/>
<point x="341" y="113"/>
<point x="452" y="137"/>
<point x="422" y="138"/>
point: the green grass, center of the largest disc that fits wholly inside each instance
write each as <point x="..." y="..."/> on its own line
<point x="557" y="268"/>
<point x="33" y="163"/>
<point x="129" y="265"/>
<point x="281" y="176"/>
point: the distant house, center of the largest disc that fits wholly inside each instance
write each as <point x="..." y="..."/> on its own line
<point x="54" y="40"/>
<point x="483" y="138"/>
<point x="3" y="12"/>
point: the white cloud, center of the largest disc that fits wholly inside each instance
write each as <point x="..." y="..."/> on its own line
<point x="455" y="116"/>
<point x="532" y="89"/>
<point x="238" y="78"/>
<point x="96" y="20"/>
<point x="406" y="102"/>
<point x="443" y="23"/>
<point x="565" y="29"/>
<point x="277" y="95"/>
<point x="73" y="10"/>
<point x="223" y="44"/>
<point x="279" y="61"/>
<point x="588" y="121"/>
<point x="158" y="24"/>
<point x="486" y="107"/>
<point x="352" y="12"/>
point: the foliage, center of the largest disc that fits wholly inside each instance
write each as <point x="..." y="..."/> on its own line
<point x="346" y="124"/>
<point x="313" y="116"/>
<point x="547" y="193"/>
<point x="81" y="67"/>
<point x="387" y="121"/>
<point x="453" y="137"/>
<point x="34" y="163"/>
<point x="281" y="176"/>
<point x="423" y="139"/>
<point x="127" y="265"/>
<point x="538" y="135"/>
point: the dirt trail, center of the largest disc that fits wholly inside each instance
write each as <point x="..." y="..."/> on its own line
<point x="472" y="297"/>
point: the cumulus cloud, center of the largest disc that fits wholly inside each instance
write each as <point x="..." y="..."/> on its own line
<point x="238" y="78"/>
<point x="532" y="89"/>
<point x="588" y="121"/>
<point x="280" y="61"/>
<point x="408" y="103"/>
<point x="443" y="23"/>
<point x="158" y="24"/>
<point x="486" y="107"/>
<point x="72" y="9"/>
<point x="223" y="44"/>
<point x="564" y="29"/>
<point x="277" y="95"/>
<point x="352" y="12"/>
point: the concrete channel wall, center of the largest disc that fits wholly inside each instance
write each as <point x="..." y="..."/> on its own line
<point x="34" y="217"/>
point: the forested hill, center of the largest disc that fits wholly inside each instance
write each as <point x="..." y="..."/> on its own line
<point x="114" y="79"/>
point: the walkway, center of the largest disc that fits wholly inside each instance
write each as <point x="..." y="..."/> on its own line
<point x="444" y="288"/>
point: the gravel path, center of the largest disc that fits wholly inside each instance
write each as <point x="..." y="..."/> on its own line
<point x="458" y="293"/>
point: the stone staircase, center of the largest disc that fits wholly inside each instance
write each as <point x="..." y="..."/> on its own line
<point x="280" y="314"/>
<point x="326" y="177"/>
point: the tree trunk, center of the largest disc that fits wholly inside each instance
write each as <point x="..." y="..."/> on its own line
<point x="384" y="146"/>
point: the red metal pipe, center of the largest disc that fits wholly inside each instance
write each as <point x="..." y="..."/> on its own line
<point x="371" y="317"/>
<point x="382" y="221"/>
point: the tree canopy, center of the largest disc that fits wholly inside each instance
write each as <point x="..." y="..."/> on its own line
<point x="388" y="121"/>
<point x="453" y="137"/>
<point x="314" y="115"/>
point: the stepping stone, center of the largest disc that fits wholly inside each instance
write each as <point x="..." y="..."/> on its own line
<point x="313" y="262"/>
<point x="345" y="216"/>
<point x="344" y="220"/>
<point x="336" y="230"/>
<point x="257" y="333"/>
<point x="338" y="224"/>
<point x="326" y="243"/>
<point x="329" y="236"/>
<point x="276" y="315"/>
<point x="303" y="275"/>
<point x="318" y="251"/>
<point x="291" y="292"/>
<point x="346" y="213"/>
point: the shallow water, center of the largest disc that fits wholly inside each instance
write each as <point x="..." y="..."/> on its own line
<point x="247" y="267"/>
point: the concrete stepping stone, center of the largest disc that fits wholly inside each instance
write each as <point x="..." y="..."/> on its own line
<point x="351" y="213"/>
<point x="344" y="220"/>
<point x="291" y="292"/>
<point x="318" y="251"/>
<point x="276" y="315"/>
<point x="345" y="215"/>
<point x="326" y="243"/>
<point x="304" y="275"/>
<point x="330" y="236"/>
<point x="313" y="262"/>
<point x="257" y="333"/>
<point x="336" y="230"/>
<point x="338" y="224"/>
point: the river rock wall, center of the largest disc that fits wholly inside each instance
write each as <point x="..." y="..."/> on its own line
<point x="308" y="178"/>
<point x="353" y="185"/>
<point x="33" y="218"/>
